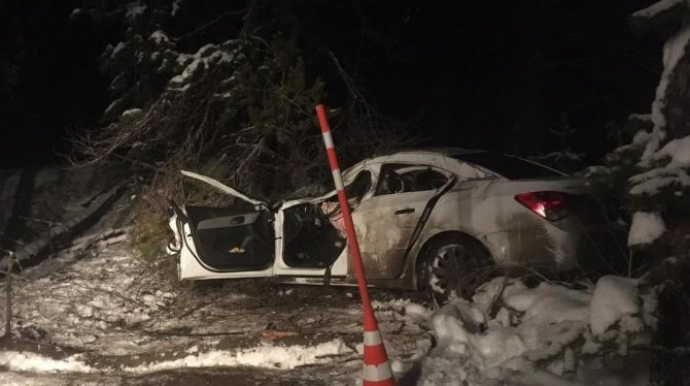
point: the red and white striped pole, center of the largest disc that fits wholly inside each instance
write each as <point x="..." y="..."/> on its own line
<point x="377" y="368"/>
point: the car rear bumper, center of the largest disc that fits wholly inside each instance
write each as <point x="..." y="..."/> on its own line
<point x="556" y="250"/>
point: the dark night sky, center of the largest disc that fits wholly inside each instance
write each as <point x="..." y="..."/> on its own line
<point x="472" y="74"/>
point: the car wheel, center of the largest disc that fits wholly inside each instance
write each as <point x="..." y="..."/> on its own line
<point x="454" y="264"/>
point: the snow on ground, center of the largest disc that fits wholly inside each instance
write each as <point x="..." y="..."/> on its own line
<point x="267" y="355"/>
<point x="108" y="314"/>
<point x="27" y="361"/>
<point x="548" y="335"/>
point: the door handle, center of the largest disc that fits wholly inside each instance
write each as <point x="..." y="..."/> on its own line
<point x="404" y="211"/>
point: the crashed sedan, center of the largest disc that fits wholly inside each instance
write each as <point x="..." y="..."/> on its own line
<point x="427" y="219"/>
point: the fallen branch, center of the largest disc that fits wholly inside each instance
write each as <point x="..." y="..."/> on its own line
<point x="40" y="221"/>
<point x="112" y="293"/>
<point x="275" y="334"/>
<point x="341" y="355"/>
<point x="48" y="238"/>
<point x="102" y="239"/>
<point x="190" y="334"/>
<point x="193" y="309"/>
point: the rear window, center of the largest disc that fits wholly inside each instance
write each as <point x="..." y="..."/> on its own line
<point x="512" y="168"/>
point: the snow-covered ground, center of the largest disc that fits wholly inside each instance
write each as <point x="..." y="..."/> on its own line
<point x="110" y="315"/>
<point x="108" y="318"/>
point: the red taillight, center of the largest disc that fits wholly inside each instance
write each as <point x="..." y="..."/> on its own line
<point x="549" y="205"/>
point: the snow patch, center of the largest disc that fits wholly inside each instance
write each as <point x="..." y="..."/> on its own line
<point x="641" y="137"/>
<point x="655" y="180"/>
<point x="188" y="71"/>
<point x="175" y="7"/>
<point x="640" y="117"/>
<point x="550" y="303"/>
<point x="614" y="298"/>
<point x="131" y="113"/>
<point x="22" y="361"/>
<point x="118" y="48"/>
<point x="134" y="10"/>
<point x="674" y="49"/>
<point x="206" y="57"/>
<point x="645" y="228"/>
<point x="268" y="356"/>
<point x="657" y="8"/>
<point x="76" y="12"/>
<point x="548" y="335"/>
<point x="159" y="37"/>
<point x="678" y="150"/>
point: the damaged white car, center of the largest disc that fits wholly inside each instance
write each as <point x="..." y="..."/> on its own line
<point x="436" y="219"/>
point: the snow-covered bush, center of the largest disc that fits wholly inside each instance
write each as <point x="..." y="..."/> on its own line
<point x="650" y="177"/>
<point x="547" y="335"/>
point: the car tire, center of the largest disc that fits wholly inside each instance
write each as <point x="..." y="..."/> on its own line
<point x="454" y="263"/>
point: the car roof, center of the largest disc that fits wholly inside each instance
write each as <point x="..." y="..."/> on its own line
<point x="445" y="151"/>
<point x="447" y="156"/>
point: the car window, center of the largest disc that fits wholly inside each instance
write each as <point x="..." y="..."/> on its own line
<point x="512" y="168"/>
<point x="405" y="178"/>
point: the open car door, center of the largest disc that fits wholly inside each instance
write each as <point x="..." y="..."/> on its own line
<point x="217" y="243"/>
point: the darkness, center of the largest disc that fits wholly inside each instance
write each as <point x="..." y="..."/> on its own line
<point x="492" y="74"/>
<point x="59" y="87"/>
<point x="497" y="74"/>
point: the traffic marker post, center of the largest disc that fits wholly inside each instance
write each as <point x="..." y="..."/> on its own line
<point x="377" y="368"/>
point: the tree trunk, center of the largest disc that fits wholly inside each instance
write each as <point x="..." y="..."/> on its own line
<point x="8" y="299"/>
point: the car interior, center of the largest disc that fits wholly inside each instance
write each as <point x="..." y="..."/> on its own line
<point x="405" y="178"/>
<point x="311" y="241"/>
<point x="313" y="238"/>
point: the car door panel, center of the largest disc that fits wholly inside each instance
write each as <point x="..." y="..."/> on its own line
<point x="383" y="235"/>
<point x="388" y="223"/>
<point x="229" y="239"/>
<point x="223" y="242"/>
<point x="286" y="229"/>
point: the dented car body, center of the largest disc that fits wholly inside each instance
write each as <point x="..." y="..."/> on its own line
<point x="408" y="208"/>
